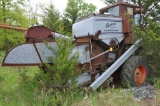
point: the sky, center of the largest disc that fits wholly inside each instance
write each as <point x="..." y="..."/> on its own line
<point x="61" y="4"/>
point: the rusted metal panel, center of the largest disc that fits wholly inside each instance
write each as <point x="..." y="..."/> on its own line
<point x="95" y="51"/>
<point x="8" y="64"/>
<point x="83" y="40"/>
<point x="124" y="10"/>
<point x="126" y="25"/>
<point x="37" y="32"/>
<point x="40" y="40"/>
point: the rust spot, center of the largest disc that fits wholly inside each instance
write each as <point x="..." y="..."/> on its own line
<point x="96" y="37"/>
<point x="90" y="89"/>
<point x="83" y="40"/>
<point x="86" y="48"/>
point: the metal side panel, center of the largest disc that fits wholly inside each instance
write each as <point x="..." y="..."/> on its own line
<point x="99" y="81"/>
<point x="106" y="37"/>
<point x="24" y="54"/>
<point x="93" y="24"/>
<point x="84" y="54"/>
<point x="45" y="53"/>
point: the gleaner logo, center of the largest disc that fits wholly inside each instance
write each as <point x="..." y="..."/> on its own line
<point x="110" y="24"/>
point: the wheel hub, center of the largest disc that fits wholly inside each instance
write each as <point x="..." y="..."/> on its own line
<point x="140" y="75"/>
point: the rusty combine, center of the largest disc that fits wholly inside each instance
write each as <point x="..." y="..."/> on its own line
<point x="105" y="42"/>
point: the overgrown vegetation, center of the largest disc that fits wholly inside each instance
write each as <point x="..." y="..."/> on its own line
<point x="15" y="91"/>
<point x="29" y="86"/>
<point x="64" y="65"/>
<point x="63" y="71"/>
<point x="151" y="41"/>
<point x="57" y="86"/>
<point x="12" y="14"/>
<point x="19" y="86"/>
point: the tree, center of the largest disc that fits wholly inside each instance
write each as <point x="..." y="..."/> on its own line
<point x="31" y="12"/>
<point x="76" y="9"/>
<point x="151" y="9"/>
<point x="63" y="71"/>
<point x="64" y="65"/>
<point x="11" y="13"/>
<point x="51" y="17"/>
<point x="151" y="41"/>
<point x="149" y="32"/>
<point x="109" y="2"/>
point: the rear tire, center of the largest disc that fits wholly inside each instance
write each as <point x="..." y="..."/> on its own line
<point x="135" y="71"/>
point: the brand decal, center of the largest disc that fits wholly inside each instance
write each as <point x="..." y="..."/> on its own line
<point x="110" y="24"/>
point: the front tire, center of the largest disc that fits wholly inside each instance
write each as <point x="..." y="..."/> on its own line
<point x="135" y="71"/>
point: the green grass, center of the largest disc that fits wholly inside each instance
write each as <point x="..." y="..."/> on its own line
<point x="13" y="91"/>
<point x="18" y="87"/>
<point x="108" y="97"/>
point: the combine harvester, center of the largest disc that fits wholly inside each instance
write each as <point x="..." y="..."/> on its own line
<point x="105" y="42"/>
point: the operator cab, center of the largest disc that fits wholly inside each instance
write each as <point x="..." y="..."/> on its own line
<point x="121" y="9"/>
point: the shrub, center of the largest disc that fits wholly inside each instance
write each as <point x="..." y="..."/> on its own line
<point x="63" y="68"/>
<point x="150" y="41"/>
